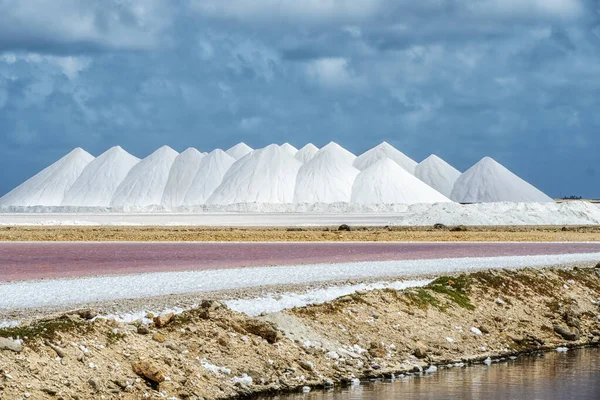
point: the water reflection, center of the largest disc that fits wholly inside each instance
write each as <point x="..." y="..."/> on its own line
<point x="571" y="375"/>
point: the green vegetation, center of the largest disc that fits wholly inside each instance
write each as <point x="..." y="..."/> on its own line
<point x="42" y="329"/>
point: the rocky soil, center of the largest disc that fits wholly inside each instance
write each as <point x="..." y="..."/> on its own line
<point x="342" y="233"/>
<point x="212" y="352"/>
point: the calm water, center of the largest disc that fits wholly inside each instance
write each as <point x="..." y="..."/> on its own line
<point x="571" y="375"/>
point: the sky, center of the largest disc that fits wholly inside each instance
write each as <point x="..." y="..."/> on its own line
<point x="517" y="80"/>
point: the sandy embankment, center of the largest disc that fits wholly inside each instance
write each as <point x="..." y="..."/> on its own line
<point x="298" y="234"/>
<point x="212" y="352"/>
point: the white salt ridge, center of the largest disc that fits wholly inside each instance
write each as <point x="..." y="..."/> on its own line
<point x="327" y="178"/>
<point x="49" y="186"/>
<point x="145" y="184"/>
<point x="289" y="148"/>
<point x="181" y="176"/>
<point x="209" y="176"/>
<point x="265" y="176"/>
<point x="306" y="153"/>
<point x="387" y="182"/>
<point x="438" y="174"/>
<point x="239" y="150"/>
<point x="489" y="181"/>
<point x="385" y="150"/>
<point x="98" y="182"/>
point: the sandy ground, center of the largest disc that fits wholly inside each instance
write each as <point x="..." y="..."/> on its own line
<point x="308" y="234"/>
<point x="214" y="353"/>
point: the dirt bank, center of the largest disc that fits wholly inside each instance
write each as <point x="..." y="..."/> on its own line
<point x="212" y="352"/>
<point x="295" y="234"/>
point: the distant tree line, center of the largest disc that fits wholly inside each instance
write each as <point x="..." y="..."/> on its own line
<point x="572" y="198"/>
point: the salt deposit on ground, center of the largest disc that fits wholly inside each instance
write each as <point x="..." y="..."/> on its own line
<point x="306" y="153"/>
<point x="388" y="183"/>
<point x="63" y="292"/>
<point x="489" y="181"/>
<point x="99" y="180"/>
<point x="145" y="184"/>
<point x="264" y="176"/>
<point x="254" y="214"/>
<point x="49" y="186"/>
<point x="239" y="150"/>
<point x="182" y="174"/>
<point x="385" y="150"/>
<point x="289" y="148"/>
<point x="209" y="176"/>
<point x="438" y="174"/>
<point x="327" y="177"/>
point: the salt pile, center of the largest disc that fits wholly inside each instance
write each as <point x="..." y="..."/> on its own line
<point x="489" y="181"/>
<point x="145" y="184"/>
<point x="385" y="150"/>
<point x="49" y="186"/>
<point x="99" y="180"/>
<point x="306" y="153"/>
<point x="209" y="176"/>
<point x="265" y="176"/>
<point x="289" y="148"/>
<point x="327" y="178"/>
<point x="438" y="174"/>
<point x="239" y="150"/>
<point x="182" y="174"/>
<point x="387" y="182"/>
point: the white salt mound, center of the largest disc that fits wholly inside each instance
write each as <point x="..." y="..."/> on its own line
<point x="489" y="181"/>
<point x="145" y="184"/>
<point x="327" y="178"/>
<point x="438" y="174"/>
<point x="48" y="187"/>
<point x="99" y="180"/>
<point x="386" y="182"/>
<point x="385" y="150"/>
<point x="306" y="153"/>
<point x="239" y="150"/>
<point x="265" y="176"/>
<point x="208" y="177"/>
<point x="289" y="148"/>
<point x="182" y="174"/>
<point x="341" y="154"/>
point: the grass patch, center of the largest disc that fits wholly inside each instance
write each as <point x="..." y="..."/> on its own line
<point x="423" y="299"/>
<point x="455" y="288"/>
<point x="43" y="329"/>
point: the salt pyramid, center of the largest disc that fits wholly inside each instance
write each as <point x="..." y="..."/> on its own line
<point x="239" y="150"/>
<point x="289" y="148"/>
<point x="385" y="150"/>
<point x="145" y="184"/>
<point x="489" y="181"/>
<point x="438" y="174"/>
<point x="267" y="175"/>
<point x="341" y="153"/>
<point x="327" y="178"/>
<point x="99" y="180"/>
<point x="48" y="187"/>
<point x="208" y="177"/>
<point x="181" y="176"/>
<point x="306" y="153"/>
<point x="387" y="182"/>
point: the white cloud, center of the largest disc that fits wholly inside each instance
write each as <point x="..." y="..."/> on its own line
<point x="70" y="66"/>
<point x="528" y="8"/>
<point x="251" y="123"/>
<point x="275" y="10"/>
<point x="118" y="24"/>
<point x="333" y="72"/>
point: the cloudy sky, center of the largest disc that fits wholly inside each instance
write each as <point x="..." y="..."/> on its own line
<point x="518" y="80"/>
